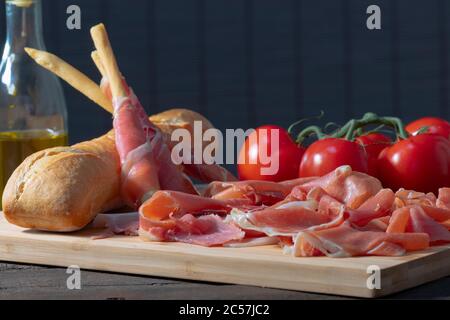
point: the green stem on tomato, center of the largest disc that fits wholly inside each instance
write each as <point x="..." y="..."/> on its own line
<point x="296" y="124"/>
<point x="308" y="132"/>
<point x="353" y="126"/>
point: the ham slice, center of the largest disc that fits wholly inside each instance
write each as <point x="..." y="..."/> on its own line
<point x="146" y="160"/>
<point x="253" y="242"/>
<point x="205" y="231"/>
<point x="176" y="216"/>
<point x="258" y="192"/>
<point x="167" y="204"/>
<point x="408" y="197"/>
<point x="376" y="207"/>
<point x="286" y="220"/>
<point x="379" y="225"/>
<point x="439" y="214"/>
<point x="349" y="187"/>
<point x="399" y="220"/>
<point x="420" y="222"/>
<point x="345" y="241"/>
<point x="443" y="201"/>
<point x="117" y="224"/>
<point x="276" y="222"/>
<point x="415" y="219"/>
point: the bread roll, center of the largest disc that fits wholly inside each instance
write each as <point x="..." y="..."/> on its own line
<point x="63" y="189"/>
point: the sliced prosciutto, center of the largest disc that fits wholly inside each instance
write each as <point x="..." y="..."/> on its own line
<point x="117" y="224"/>
<point x="408" y="197"/>
<point x="414" y="219"/>
<point x="277" y="222"/>
<point x="444" y="198"/>
<point x="258" y="192"/>
<point x="378" y="206"/>
<point x="135" y="143"/>
<point x="171" y="216"/>
<point x="351" y="188"/>
<point x="287" y="220"/>
<point x="205" y="231"/>
<point x="346" y="241"/>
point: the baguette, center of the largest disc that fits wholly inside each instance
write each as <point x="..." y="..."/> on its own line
<point x="63" y="189"/>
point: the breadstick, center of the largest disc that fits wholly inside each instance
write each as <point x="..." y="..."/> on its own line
<point x="98" y="63"/>
<point x="106" y="54"/>
<point x="72" y="76"/>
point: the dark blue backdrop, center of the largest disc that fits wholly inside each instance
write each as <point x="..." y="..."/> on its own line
<point x="249" y="62"/>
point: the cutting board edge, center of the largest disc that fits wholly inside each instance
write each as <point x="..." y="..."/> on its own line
<point x="23" y="251"/>
<point x="400" y="276"/>
<point x="342" y="290"/>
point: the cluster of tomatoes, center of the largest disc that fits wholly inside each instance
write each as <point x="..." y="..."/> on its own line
<point x="418" y="159"/>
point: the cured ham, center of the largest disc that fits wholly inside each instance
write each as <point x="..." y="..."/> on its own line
<point x="280" y="221"/>
<point x="116" y="224"/>
<point x="408" y="197"/>
<point x="415" y="219"/>
<point x="343" y="214"/>
<point x="443" y="201"/>
<point x="351" y="188"/>
<point x="258" y="192"/>
<point x="146" y="159"/>
<point x="206" y="231"/>
<point x="176" y="216"/>
<point x="289" y="219"/>
<point x="378" y="206"/>
<point x="346" y="241"/>
<point x="167" y="204"/>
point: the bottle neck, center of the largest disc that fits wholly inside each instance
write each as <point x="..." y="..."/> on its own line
<point x="24" y="25"/>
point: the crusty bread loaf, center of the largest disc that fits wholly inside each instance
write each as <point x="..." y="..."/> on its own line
<point x="63" y="189"/>
<point x="173" y="119"/>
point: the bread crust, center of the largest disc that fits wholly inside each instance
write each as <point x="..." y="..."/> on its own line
<point x="63" y="189"/>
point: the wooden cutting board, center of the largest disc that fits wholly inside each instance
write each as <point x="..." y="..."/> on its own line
<point x="263" y="266"/>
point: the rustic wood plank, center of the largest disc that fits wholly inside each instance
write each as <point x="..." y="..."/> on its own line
<point x="31" y="282"/>
<point x="36" y="282"/>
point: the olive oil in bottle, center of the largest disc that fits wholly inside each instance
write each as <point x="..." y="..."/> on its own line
<point x="15" y="146"/>
<point x="33" y="114"/>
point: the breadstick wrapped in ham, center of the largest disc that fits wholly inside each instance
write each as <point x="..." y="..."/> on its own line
<point x="178" y="118"/>
<point x="147" y="165"/>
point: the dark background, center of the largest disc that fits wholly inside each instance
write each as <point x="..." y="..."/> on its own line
<point x="249" y="62"/>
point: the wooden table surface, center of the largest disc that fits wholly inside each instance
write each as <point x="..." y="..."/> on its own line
<point x="36" y="282"/>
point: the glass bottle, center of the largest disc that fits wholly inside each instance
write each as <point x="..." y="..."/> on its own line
<point x="33" y="113"/>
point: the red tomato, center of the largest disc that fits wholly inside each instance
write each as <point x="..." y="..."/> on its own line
<point x="288" y="155"/>
<point x="435" y="125"/>
<point x="374" y="143"/>
<point x="420" y="163"/>
<point x="326" y="155"/>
